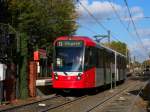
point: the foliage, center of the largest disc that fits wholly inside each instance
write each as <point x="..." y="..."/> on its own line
<point x="43" y="20"/>
<point x="23" y="67"/>
<point x="118" y="46"/>
<point x="137" y="64"/>
<point x="4" y="13"/>
<point x="146" y="63"/>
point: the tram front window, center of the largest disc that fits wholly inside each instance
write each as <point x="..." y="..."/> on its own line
<point x="68" y="59"/>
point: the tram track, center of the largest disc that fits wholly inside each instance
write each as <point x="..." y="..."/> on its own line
<point x="101" y="99"/>
<point x="137" y="96"/>
<point x="13" y="108"/>
<point x="50" y="108"/>
<point x="64" y="104"/>
<point x="107" y="100"/>
<point x="109" y="104"/>
<point x="44" y="105"/>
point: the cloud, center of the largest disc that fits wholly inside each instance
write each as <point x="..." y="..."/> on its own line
<point x="100" y="10"/>
<point x="144" y="33"/>
<point x="103" y="10"/>
<point x="136" y="12"/>
<point x="137" y="49"/>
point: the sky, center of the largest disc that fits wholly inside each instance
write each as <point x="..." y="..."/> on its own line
<point x="103" y="12"/>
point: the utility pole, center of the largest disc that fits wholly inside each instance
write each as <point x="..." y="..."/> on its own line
<point x="108" y="36"/>
<point x="116" y="70"/>
<point x="134" y="65"/>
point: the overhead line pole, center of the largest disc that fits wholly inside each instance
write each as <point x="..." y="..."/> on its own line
<point x="116" y="73"/>
<point x="103" y="36"/>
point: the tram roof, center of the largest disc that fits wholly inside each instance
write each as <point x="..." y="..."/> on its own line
<point x="88" y="41"/>
<point x="111" y="50"/>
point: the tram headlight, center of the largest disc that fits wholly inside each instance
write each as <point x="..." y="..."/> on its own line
<point x="56" y="76"/>
<point x="79" y="76"/>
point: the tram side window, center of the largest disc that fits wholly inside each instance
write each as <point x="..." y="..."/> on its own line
<point x="93" y="57"/>
<point x="121" y="63"/>
<point x="87" y="58"/>
<point x="124" y="64"/>
<point x="104" y="59"/>
<point x="118" y="62"/>
<point x="112" y="58"/>
<point x="97" y="58"/>
<point x="90" y="60"/>
<point x="100" y="58"/>
<point x="107" y="59"/>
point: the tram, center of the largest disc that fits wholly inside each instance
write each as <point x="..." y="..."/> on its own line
<point x="80" y="62"/>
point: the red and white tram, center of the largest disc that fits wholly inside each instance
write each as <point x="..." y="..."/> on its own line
<point x="80" y="62"/>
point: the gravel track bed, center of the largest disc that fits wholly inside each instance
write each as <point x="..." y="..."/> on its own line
<point x="89" y="102"/>
<point x="85" y="105"/>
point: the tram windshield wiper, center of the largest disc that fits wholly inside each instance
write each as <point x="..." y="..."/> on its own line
<point x="65" y="73"/>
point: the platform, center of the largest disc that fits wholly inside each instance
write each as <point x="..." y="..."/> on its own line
<point x="44" y="82"/>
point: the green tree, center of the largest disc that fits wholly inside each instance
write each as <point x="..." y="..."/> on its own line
<point x="23" y="65"/>
<point x="146" y="63"/>
<point x="118" y="46"/>
<point x="41" y="21"/>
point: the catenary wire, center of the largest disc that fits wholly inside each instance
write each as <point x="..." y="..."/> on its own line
<point x="94" y="18"/>
<point x="116" y="13"/>
<point x="134" y="26"/>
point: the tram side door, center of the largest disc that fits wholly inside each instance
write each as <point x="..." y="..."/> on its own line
<point x="104" y="65"/>
<point x="112" y="72"/>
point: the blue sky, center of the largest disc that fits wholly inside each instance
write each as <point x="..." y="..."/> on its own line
<point x="103" y="11"/>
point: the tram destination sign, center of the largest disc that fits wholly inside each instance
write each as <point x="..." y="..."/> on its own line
<point x="69" y="43"/>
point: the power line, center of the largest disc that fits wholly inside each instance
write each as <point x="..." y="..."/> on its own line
<point x="135" y="29"/>
<point x="113" y="18"/>
<point x="100" y="24"/>
<point x="146" y="17"/>
<point x="118" y="16"/>
<point x="92" y="16"/>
